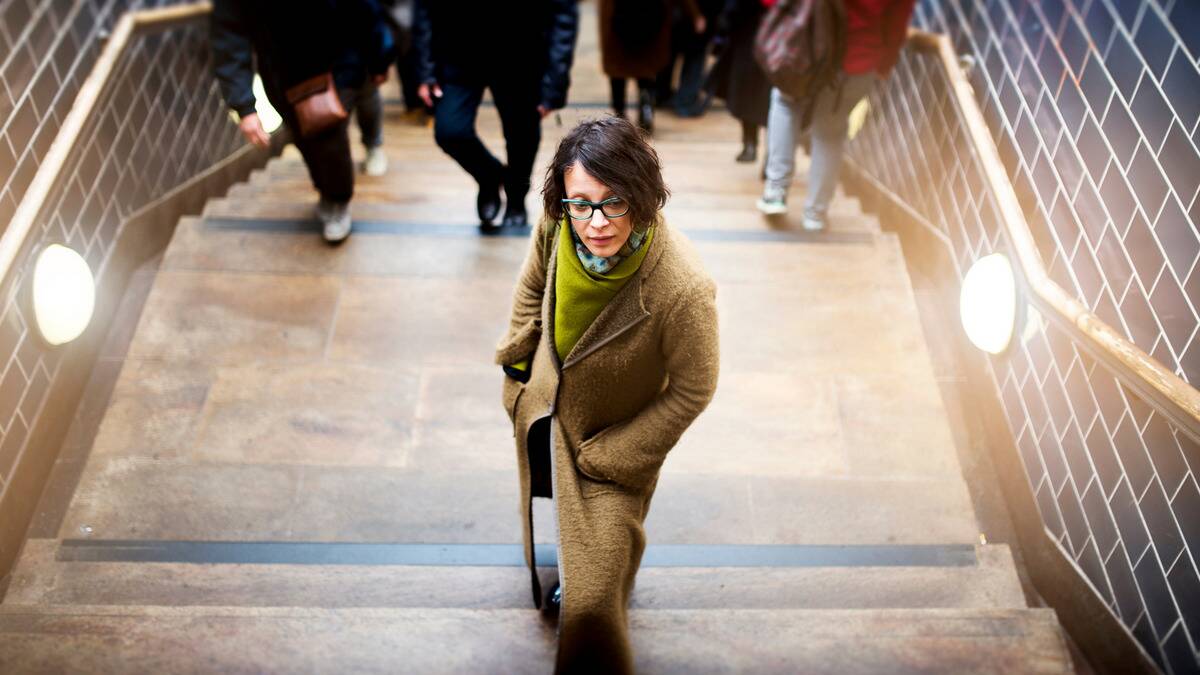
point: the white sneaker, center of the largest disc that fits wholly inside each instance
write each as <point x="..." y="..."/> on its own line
<point x="376" y="163"/>
<point x="335" y="220"/>
<point x="772" y="205"/>
<point x="813" y="224"/>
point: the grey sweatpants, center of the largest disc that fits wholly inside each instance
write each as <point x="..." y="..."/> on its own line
<point x="830" y="121"/>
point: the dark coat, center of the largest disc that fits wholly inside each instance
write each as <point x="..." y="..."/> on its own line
<point x="474" y="40"/>
<point x="290" y="41"/>
<point x="623" y="57"/>
<point x="736" y="77"/>
<point x="618" y="402"/>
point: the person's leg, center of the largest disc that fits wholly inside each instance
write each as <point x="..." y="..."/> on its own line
<point x="646" y="104"/>
<point x="327" y="156"/>
<point x="516" y="95"/>
<point x="406" y="73"/>
<point x="781" y="151"/>
<point x="616" y="89"/>
<point x="368" y="109"/>
<point x="454" y="131"/>
<point x="749" y="142"/>
<point x="691" y="78"/>
<point x="829" y="125"/>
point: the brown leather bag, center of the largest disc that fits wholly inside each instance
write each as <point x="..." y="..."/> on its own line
<point x="316" y="104"/>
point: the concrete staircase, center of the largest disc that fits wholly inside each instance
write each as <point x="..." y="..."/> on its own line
<point x="304" y="466"/>
<point x="277" y="391"/>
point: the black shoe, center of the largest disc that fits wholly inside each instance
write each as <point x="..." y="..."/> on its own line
<point x="749" y="153"/>
<point x="488" y="203"/>
<point x="553" y="602"/>
<point x="514" y="218"/>
<point x="646" y="118"/>
<point x="646" y="113"/>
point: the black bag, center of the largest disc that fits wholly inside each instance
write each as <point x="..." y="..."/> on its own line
<point x="638" y="23"/>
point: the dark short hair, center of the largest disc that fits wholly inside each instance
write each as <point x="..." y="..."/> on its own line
<point x="614" y="152"/>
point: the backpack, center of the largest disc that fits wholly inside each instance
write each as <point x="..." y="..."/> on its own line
<point x="801" y="45"/>
<point x="638" y="23"/>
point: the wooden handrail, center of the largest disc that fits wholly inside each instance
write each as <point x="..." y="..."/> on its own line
<point x="1137" y="363"/>
<point x="81" y="110"/>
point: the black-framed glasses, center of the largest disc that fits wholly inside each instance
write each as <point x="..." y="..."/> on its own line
<point x="582" y="209"/>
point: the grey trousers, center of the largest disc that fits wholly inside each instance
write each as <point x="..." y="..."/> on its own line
<point x="830" y="121"/>
<point x="368" y="108"/>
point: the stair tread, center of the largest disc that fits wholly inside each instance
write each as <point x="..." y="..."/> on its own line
<point x="174" y="639"/>
<point x="41" y="579"/>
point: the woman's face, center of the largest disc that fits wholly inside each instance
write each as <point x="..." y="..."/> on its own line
<point x="603" y="236"/>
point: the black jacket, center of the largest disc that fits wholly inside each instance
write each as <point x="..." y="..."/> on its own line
<point x="292" y="40"/>
<point x="479" y="39"/>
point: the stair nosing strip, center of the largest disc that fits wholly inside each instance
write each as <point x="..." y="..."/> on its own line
<point x="374" y="226"/>
<point x="487" y="555"/>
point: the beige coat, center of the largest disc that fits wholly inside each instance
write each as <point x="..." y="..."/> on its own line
<point x="644" y="369"/>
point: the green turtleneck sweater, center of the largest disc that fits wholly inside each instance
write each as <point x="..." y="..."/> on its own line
<point x="580" y="295"/>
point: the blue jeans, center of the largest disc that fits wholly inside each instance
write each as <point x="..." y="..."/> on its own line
<point x="830" y="122"/>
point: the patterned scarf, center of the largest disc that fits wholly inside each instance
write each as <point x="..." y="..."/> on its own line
<point x="600" y="265"/>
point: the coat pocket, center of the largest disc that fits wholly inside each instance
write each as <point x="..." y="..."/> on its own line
<point x="592" y="487"/>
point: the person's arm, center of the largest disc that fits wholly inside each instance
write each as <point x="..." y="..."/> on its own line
<point x="422" y="45"/>
<point x="630" y="453"/>
<point x="525" y="323"/>
<point x="895" y="32"/>
<point x="233" y="66"/>
<point x="564" y="26"/>
<point x="232" y="55"/>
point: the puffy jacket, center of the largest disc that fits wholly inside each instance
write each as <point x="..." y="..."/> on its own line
<point x="470" y="39"/>
<point x="875" y="31"/>
<point x="289" y="41"/>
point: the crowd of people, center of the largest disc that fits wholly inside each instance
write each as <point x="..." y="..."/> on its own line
<point x="602" y="376"/>
<point x="680" y="55"/>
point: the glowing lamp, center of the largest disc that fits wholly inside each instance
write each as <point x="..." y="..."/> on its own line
<point x="266" y="113"/>
<point x="858" y="117"/>
<point x="988" y="303"/>
<point x="64" y="294"/>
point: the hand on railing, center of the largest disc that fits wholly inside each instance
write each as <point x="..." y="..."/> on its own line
<point x="252" y="129"/>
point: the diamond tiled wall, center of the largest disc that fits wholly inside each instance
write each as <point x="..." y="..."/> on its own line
<point x="1094" y="106"/>
<point x="162" y="123"/>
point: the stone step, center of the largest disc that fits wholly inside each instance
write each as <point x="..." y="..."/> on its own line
<point x="408" y="176"/>
<point x="41" y="579"/>
<point x="734" y="213"/>
<point x="234" y="493"/>
<point x="420" y="640"/>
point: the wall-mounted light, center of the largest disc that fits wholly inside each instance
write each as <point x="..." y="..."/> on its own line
<point x="63" y="294"/>
<point x="858" y="116"/>
<point x="266" y="112"/>
<point x="988" y="303"/>
<point x="267" y="115"/>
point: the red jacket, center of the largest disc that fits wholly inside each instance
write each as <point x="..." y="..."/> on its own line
<point x="875" y="33"/>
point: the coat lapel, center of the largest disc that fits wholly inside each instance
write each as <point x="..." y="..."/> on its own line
<point x="624" y="311"/>
<point x="548" y="299"/>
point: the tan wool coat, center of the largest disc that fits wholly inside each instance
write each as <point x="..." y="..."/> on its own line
<point x="618" y="402"/>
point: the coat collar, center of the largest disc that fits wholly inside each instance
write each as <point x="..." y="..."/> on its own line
<point x="624" y="311"/>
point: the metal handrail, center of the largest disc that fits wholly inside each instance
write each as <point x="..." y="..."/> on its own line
<point x="81" y="110"/>
<point x="1177" y="398"/>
